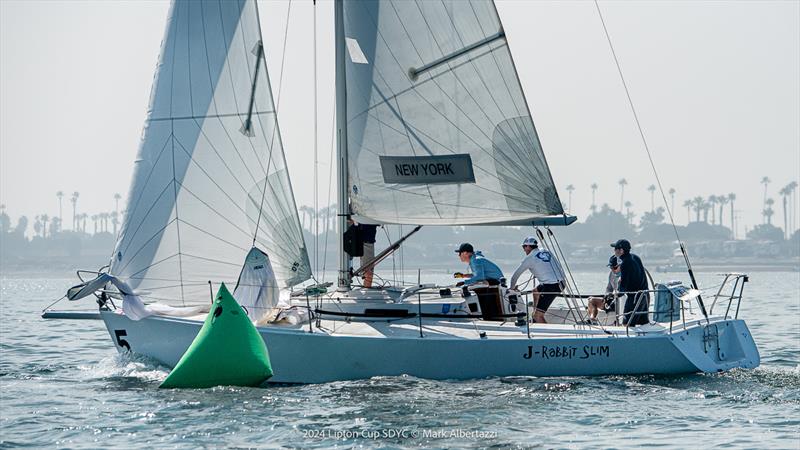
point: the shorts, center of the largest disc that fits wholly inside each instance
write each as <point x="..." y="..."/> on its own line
<point x="369" y="253"/>
<point x="547" y="293"/>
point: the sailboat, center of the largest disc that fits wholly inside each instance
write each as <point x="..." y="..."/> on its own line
<point x="433" y="129"/>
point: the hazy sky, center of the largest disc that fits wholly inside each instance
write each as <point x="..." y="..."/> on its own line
<point x="716" y="85"/>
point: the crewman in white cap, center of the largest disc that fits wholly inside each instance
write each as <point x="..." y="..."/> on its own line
<point x="545" y="268"/>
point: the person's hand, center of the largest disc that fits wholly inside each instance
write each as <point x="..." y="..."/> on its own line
<point x="459" y="284"/>
<point x="458" y="275"/>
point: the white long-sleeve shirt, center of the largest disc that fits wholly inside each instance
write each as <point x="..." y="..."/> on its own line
<point x="543" y="265"/>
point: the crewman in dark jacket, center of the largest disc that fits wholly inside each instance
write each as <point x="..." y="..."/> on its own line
<point x="633" y="280"/>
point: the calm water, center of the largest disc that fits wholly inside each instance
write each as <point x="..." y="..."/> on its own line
<point x="64" y="385"/>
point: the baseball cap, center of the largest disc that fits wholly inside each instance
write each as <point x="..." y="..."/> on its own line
<point x="530" y="240"/>
<point x="465" y="247"/>
<point x="623" y="244"/>
<point x="613" y="261"/>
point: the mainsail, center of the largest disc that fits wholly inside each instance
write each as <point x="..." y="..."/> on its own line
<point x="210" y="173"/>
<point x="438" y="128"/>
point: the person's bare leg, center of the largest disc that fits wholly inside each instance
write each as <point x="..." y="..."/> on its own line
<point x="368" y="278"/>
<point x="538" y="317"/>
<point x="594" y="304"/>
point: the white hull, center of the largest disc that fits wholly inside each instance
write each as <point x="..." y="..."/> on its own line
<point x="454" y="350"/>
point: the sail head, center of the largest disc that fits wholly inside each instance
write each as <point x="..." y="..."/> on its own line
<point x="211" y="172"/>
<point x="438" y="128"/>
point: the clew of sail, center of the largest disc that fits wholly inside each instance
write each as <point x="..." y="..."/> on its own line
<point x="210" y="173"/>
<point x="438" y="128"/>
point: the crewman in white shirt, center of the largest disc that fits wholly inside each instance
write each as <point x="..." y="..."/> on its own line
<point x="546" y="269"/>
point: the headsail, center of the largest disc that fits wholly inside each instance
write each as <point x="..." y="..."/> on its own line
<point x="210" y="168"/>
<point x="438" y="129"/>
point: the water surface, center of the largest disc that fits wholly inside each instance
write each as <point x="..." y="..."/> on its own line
<point x="64" y="385"/>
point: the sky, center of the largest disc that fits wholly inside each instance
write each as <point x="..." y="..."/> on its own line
<point x="716" y="85"/>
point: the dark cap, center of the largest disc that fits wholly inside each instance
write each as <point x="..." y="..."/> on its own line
<point x="465" y="247"/>
<point x="613" y="261"/>
<point x="623" y="244"/>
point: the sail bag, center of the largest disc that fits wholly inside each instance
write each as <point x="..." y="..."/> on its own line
<point x="257" y="289"/>
<point x="228" y="351"/>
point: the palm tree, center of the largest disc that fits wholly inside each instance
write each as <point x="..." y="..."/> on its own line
<point x="74" y="201"/>
<point x="5" y="222"/>
<point x="45" y="219"/>
<point x="732" y="199"/>
<point x="652" y="189"/>
<point x="115" y="221"/>
<point x="37" y="226"/>
<point x="594" y="190"/>
<point x="570" y="188"/>
<point x="765" y="181"/>
<point x="305" y="210"/>
<point x="628" y="213"/>
<point x="768" y="211"/>
<point x="116" y="202"/>
<point x="672" y="196"/>
<point x="55" y="226"/>
<point x="622" y="182"/>
<point x="94" y="218"/>
<point x="60" y="195"/>
<point x="792" y="205"/>
<point x="688" y="205"/>
<point x="722" y="200"/>
<point x="784" y="193"/>
<point x="712" y="202"/>
<point x="699" y="204"/>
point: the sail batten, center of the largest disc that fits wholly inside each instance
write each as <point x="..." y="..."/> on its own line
<point x="439" y="83"/>
<point x="203" y="192"/>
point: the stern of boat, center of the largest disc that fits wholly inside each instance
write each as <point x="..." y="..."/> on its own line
<point x="716" y="346"/>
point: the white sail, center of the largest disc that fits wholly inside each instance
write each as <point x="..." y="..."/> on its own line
<point x="438" y="128"/>
<point x="210" y="168"/>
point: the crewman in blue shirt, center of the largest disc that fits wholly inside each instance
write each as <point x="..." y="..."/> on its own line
<point x="482" y="269"/>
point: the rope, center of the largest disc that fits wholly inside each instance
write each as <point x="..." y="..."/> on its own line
<point x="316" y="151"/>
<point x="330" y="181"/>
<point x="277" y="108"/>
<point x="652" y="163"/>
<point x="51" y="304"/>
<point x="639" y="125"/>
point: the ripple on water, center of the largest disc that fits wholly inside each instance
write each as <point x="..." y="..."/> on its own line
<point x="76" y="391"/>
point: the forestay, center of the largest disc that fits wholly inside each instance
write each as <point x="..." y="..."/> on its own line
<point x="439" y="131"/>
<point x="210" y="168"/>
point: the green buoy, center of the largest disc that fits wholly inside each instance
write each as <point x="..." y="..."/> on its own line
<point x="228" y="351"/>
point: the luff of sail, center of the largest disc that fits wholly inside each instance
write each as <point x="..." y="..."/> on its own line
<point x="210" y="167"/>
<point x="438" y="129"/>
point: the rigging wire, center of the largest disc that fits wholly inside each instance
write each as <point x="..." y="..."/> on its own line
<point x="277" y="108"/>
<point x="650" y="158"/>
<point x="316" y="151"/>
<point x="330" y="180"/>
<point x="638" y="124"/>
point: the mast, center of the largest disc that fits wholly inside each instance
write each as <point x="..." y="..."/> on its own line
<point x="341" y="145"/>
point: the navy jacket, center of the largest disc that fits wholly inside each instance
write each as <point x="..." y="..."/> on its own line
<point x="633" y="278"/>
<point x="367" y="232"/>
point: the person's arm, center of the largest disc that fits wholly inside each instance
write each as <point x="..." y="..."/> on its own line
<point x="477" y="272"/>
<point x="518" y="273"/>
<point x="622" y="286"/>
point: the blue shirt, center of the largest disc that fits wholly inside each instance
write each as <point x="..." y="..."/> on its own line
<point x="482" y="269"/>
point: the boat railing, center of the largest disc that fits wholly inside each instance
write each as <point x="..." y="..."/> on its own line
<point x="731" y="289"/>
<point x="679" y="308"/>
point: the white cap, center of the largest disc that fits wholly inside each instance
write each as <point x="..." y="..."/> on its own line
<point x="530" y="240"/>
